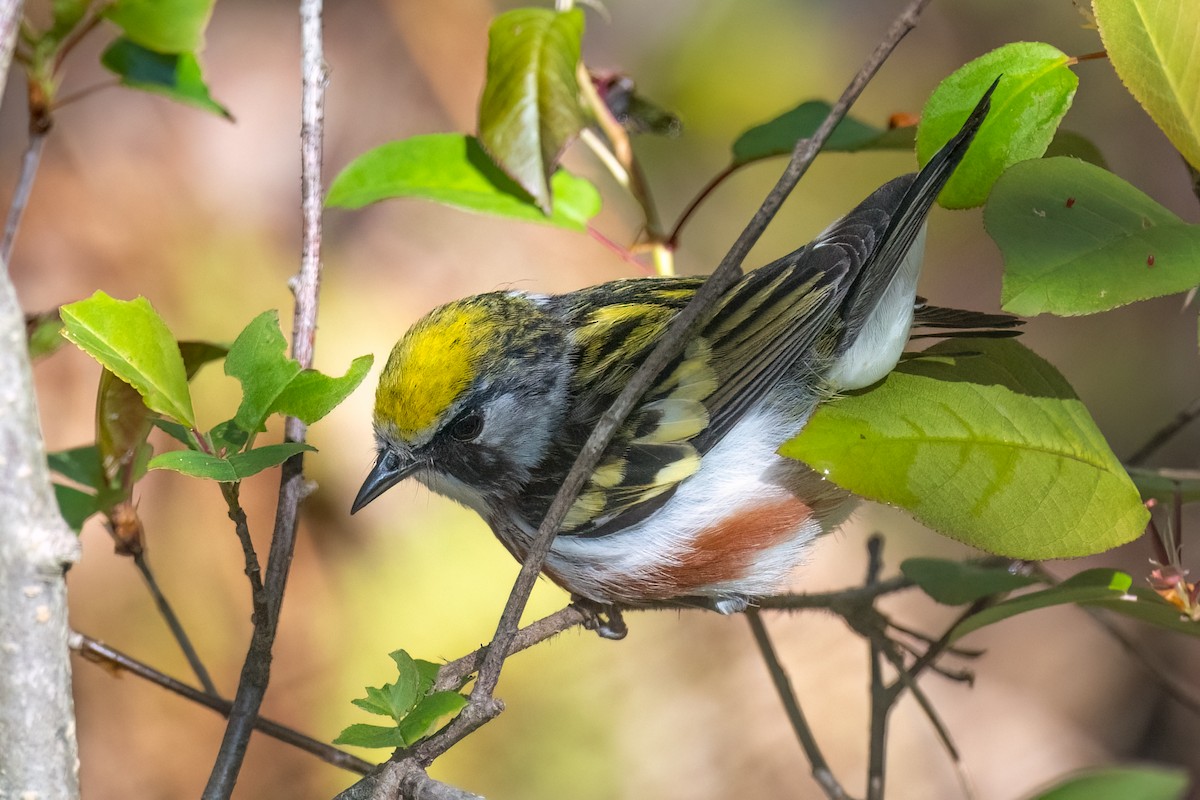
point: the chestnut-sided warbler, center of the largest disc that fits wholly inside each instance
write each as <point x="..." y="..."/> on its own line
<point x="488" y="400"/>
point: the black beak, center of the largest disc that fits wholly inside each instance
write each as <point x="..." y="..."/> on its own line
<point x="390" y="468"/>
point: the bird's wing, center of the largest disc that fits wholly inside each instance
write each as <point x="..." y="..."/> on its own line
<point x="799" y="313"/>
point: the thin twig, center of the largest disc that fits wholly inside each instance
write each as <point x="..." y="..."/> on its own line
<point x="168" y="614"/>
<point x="100" y="653"/>
<point x="1164" y="434"/>
<point x="701" y="196"/>
<point x="881" y="705"/>
<point x="783" y="686"/>
<point x="29" y="168"/>
<point x="256" y="669"/>
<point x="1178" y="691"/>
<point x="232" y="494"/>
<point x="454" y="675"/>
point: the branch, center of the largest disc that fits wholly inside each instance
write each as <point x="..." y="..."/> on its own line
<point x="256" y="670"/>
<point x="783" y="686"/>
<point x="37" y="717"/>
<point x="16" y="210"/>
<point x="173" y="623"/>
<point x="1164" y="434"/>
<point x="100" y="653"/>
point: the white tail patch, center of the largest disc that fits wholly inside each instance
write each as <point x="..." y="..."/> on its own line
<point x="881" y="341"/>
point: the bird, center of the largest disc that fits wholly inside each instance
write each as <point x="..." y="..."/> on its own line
<point x="488" y="400"/>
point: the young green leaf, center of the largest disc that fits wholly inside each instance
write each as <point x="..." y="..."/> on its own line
<point x="173" y="75"/>
<point x="75" y="506"/>
<point x="1090" y="586"/>
<point x="1077" y="239"/>
<point x="166" y="26"/>
<point x="273" y="383"/>
<point x="1034" y="93"/>
<point x="990" y="447"/>
<point x="131" y="340"/>
<point x="1153" y="46"/>
<point x="779" y="136"/>
<point x="311" y="394"/>
<point x="453" y="169"/>
<point x="176" y="431"/>
<point x="258" y="359"/>
<point x="429" y="715"/>
<point x="1120" y="783"/>
<point x="530" y="109"/>
<point x="955" y="583"/>
<point x="360" y="735"/>
<point x="228" y="436"/>
<point x="197" y="354"/>
<point x="231" y="468"/>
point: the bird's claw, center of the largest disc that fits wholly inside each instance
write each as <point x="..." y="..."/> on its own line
<point x="603" y="618"/>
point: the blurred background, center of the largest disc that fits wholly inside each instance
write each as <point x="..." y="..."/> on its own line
<point x="137" y="195"/>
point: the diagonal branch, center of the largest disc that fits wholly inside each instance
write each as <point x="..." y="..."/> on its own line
<point x="783" y="686"/>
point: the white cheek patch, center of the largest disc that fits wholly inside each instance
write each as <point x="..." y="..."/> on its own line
<point x="519" y="428"/>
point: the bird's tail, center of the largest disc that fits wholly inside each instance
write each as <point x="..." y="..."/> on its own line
<point x="877" y="306"/>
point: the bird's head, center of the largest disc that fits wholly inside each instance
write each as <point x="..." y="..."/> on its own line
<point x="469" y="398"/>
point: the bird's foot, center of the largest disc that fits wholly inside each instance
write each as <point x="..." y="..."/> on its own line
<point x="603" y="618"/>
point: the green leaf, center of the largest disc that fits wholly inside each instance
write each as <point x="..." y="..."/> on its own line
<point x="1077" y="239"/>
<point x="44" y="334"/>
<point x="1146" y="605"/>
<point x="1163" y="484"/>
<point x="1120" y="783"/>
<point x="175" y="431"/>
<point x="229" y="436"/>
<point x="779" y="136"/>
<point x="167" y="26"/>
<point x="427" y="673"/>
<point x="232" y="468"/>
<point x="131" y="340"/>
<point x="955" y="583"/>
<point x="1152" y="45"/>
<point x="453" y="169"/>
<point x="530" y="109"/>
<point x="311" y="395"/>
<point x="430" y="715"/>
<point x="273" y="383"/>
<point x="404" y="693"/>
<point x="1034" y="94"/>
<point x="123" y="424"/>
<point x="80" y="464"/>
<point x="197" y="354"/>
<point x="1089" y="586"/>
<point x="360" y="735"/>
<point x="173" y="75"/>
<point x="67" y="14"/>
<point x="258" y="359"/>
<point x="1075" y="145"/>
<point x="992" y="449"/>
<point x="75" y="506"/>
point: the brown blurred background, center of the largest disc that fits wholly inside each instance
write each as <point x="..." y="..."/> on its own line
<point x="140" y="196"/>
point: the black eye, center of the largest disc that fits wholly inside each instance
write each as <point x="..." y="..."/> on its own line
<point x="468" y="425"/>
